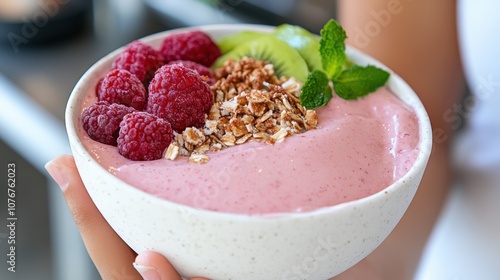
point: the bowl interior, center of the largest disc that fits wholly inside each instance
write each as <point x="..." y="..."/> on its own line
<point x="395" y="83"/>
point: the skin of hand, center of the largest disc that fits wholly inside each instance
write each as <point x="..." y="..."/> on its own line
<point x="418" y="40"/>
<point x="117" y="260"/>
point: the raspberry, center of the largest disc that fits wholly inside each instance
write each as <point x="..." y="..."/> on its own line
<point x="194" y="46"/>
<point x="121" y="86"/>
<point x="102" y="120"/>
<point x="143" y="136"/>
<point x="139" y="59"/>
<point x="179" y="95"/>
<point x="201" y="69"/>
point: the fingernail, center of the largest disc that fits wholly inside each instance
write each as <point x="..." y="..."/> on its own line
<point x="147" y="272"/>
<point x="58" y="174"/>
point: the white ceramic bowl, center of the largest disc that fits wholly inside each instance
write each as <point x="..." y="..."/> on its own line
<point x="312" y="245"/>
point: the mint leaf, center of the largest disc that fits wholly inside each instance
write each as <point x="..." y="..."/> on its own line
<point x="315" y="92"/>
<point x="332" y="48"/>
<point x="352" y="83"/>
<point x="357" y="81"/>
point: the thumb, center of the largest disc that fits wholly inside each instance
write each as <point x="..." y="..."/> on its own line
<point x="110" y="254"/>
<point x="153" y="266"/>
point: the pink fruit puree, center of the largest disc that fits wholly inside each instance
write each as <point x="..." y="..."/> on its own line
<point x="359" y="148"/>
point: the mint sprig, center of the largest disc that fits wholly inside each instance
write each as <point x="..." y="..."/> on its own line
<point x="350" y="81"/>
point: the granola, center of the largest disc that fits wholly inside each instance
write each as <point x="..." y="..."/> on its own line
<point x="250" y="103"/>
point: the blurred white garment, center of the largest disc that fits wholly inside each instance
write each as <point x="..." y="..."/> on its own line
<point x="466" y="242"/>
<point x="479" y="26"/>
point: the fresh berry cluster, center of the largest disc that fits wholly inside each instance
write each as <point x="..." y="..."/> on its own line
<point x="148" y="94"/>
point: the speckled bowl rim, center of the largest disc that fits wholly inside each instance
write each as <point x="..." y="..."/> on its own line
<point x="397" y="85"/>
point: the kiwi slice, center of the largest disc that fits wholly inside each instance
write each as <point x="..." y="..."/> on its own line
<point x="286" y="60"/>
<point x="232" y="41"/>
<point x="303" y="41"/>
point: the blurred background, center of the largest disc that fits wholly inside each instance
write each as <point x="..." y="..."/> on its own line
<point x="46" y="46"/>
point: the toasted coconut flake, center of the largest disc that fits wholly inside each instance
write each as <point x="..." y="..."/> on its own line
<point x="219" y="95"/>
<point x="243" y="139"/>
<point x="248" y="119"/>
<point x="280" y="135"/>
<point x="214" y="113"/>
<point x="292" y="86"/>
<point x="228" y="139"/>
<point x="264" y="117"/>
<point x="172" y="151"/>
<point x="311" y="119"/>
<point x="210" y="127"/>
<point x="286" y="103"/>
<point x="198" y="158"/>
<point x="229" y="106"/>
<point x="193" y="136"/>
<point x="258" y="96"/>
<point x="251" y="103"/>
<point x="238" y="127"/>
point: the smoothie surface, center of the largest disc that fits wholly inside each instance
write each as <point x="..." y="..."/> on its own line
<point x="359" y="148"/>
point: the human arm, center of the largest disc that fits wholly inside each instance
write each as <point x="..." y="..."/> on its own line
<point x="418" y="40"/>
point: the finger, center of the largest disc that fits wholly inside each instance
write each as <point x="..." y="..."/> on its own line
<point x="112" y="257"/>
<point x="152" y="265"/>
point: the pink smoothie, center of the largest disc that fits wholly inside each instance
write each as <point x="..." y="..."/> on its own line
<point x="359" y="148"/>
